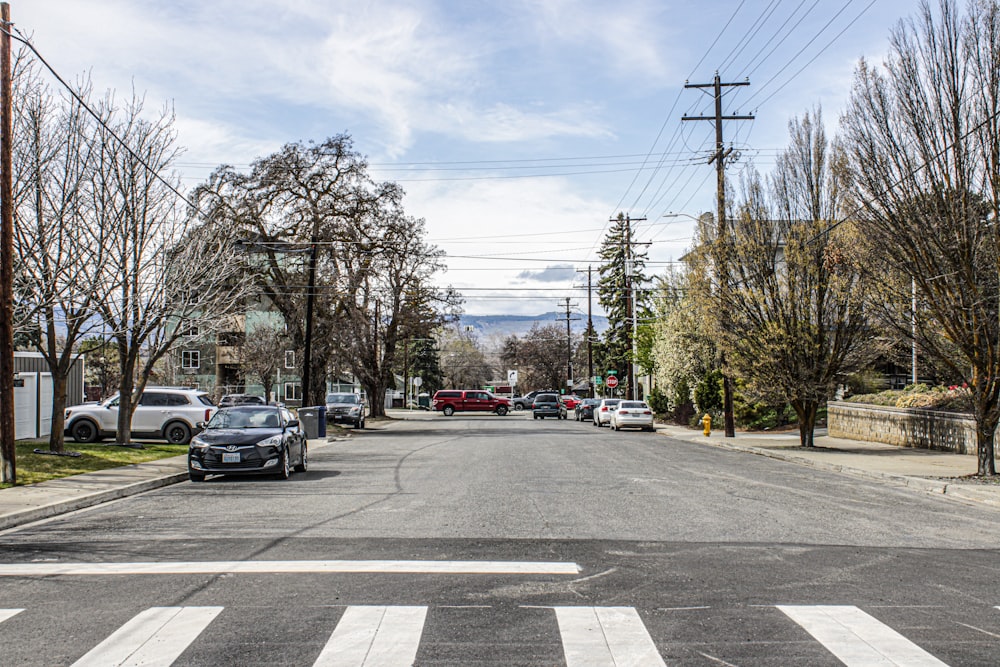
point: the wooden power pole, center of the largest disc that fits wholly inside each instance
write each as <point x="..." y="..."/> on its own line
<point x="722" y="237"/>
<point x="8" y="469"/>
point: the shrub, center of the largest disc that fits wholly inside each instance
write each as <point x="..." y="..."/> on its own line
<point x="708" y="393"/>
<point x="658" y="402"/>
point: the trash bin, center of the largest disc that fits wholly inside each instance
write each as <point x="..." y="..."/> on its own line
<point x="313" y="421"/>
<point x="424" y="401"/>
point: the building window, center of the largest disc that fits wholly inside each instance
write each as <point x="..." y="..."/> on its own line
<point x="189" y="330"/>
<point x="293" y="391"/>
<point x="290" y="359"/>
<point x="190" y="359"/>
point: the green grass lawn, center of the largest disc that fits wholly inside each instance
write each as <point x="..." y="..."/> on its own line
<point x="32" y="468"/>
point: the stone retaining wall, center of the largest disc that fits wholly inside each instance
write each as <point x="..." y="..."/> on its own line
<point x="905" y="427"/>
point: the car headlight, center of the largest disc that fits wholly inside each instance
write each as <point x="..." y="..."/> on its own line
<point x="273" y="441"/>
<point x="355" y="410"/>
<point x="196" y="441"/>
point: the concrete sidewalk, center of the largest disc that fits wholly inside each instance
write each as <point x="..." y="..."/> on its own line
<point x="919" y="469"/>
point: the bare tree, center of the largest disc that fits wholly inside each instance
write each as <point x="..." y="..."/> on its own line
<point x="165" y="271"/>
<point x="924" y="136"/>
<point x="262" y="354"/>
<point x="372" y="265"/>
<point x="463" y="363"/>
<point x="60" y="250"/>
<point x="540" y="356"/>
<point x="796" y="306"/>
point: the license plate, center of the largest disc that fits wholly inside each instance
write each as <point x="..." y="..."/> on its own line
<point x="230" y="457"/>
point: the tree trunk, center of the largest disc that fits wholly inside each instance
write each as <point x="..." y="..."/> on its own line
<point x="987" y="416"/>
<point x="126" y="385"/>
<point x="806" y="412"/>
<point x="57" y="437"/>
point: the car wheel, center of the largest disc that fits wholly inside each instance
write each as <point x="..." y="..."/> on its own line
<point x="196" y="476"/>
<point x="448" y="411"/>
<point x="177" y="433"/>
<point x="84" y="430"/>
<point x="502" y="410"/>
<point x="304" y="463"/>
<point x="285" y="471"/>
<point x="518" y="407"/>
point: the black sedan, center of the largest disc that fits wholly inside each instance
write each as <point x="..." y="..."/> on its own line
<point x="584" y="410"/>
<point x="249" y="440"/>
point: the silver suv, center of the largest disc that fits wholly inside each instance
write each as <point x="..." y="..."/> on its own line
<point x="170" y="413"/>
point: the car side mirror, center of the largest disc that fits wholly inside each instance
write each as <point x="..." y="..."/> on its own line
<point x="201" y="425"/>
<point x="293" y="423"/>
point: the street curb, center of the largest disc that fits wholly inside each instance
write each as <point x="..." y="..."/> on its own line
<point x="954" y="491"/>
<point x="65" y="506"/>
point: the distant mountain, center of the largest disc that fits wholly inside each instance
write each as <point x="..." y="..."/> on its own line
<point x="519" y="325"/>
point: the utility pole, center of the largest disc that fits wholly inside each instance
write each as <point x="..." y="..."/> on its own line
<point x="722" y="236"/>
<point x="590" y="334"/>
<point x="569" y="347"/>
<point x="8" y="468"/>
<point x="307" y="361"/>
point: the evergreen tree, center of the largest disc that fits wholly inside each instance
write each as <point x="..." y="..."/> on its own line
<point x="617" y="252"/>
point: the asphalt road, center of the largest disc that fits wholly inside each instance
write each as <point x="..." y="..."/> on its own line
<point x="481" y="540"/>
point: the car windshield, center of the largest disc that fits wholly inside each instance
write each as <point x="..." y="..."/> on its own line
<point x="342" y="398"/>
<point x="611" y="402"/>
<point x="245" y="417"/>
<point x="632" y="404"/>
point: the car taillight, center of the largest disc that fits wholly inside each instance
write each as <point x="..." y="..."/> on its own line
<point x="208" y="413"/>
<point x="647" y="412"/>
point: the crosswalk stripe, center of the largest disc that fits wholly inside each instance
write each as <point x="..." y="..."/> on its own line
<point x="153" y="638"/>
<point x="293" y="567"/>
<point x="374" y="637"/>
<point x="605" y="637"/>
<point x="857" y="638"/>
<point x="7" y="613"/>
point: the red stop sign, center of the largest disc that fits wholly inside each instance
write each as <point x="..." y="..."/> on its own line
<point x="612" y="381"/>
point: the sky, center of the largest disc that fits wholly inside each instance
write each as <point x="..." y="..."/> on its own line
<point x="517" y="128"/>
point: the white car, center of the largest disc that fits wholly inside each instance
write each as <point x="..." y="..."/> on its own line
<point x="632" y="414"/>
<point x="170" y="413"/>
<point x="603" y="410"/>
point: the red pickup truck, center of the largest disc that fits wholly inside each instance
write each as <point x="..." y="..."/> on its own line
<point x="450" y="401"/>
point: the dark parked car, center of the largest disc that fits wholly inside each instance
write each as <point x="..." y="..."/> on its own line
<point x="584" y="410"/>
<point x="249" y="440"/>
<point x="345" y="409"/>
<point x="524" y="402"/>
<point x="229" y="400"/>
<point x="548" y="405"/>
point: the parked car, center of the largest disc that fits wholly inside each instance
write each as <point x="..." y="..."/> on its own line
<point x="450" y="401"/>
<point x="584" y="410"/>
<point x="603" y="410"/>
<point x="170" y="413"/>
<point x="230" y="400"/>
<point x="524" y="402"/>
<point x="570" y="401"/>
<point x="249" y="440"/>
<point x="345" y="409"/>
<point x="632" y="414"/>
<point x="548" y="405"/>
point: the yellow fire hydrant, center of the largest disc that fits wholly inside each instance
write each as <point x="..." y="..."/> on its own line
<point x="707" y="422"/>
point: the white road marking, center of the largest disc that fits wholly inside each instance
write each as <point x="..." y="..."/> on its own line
<point x="153" y="638"/>
<point x="374" y="637"/>
<point x="858" y="639"/>
<point x="605" y="637"/>
<point x="8" y="613"/>
<point x="284" y="567"/>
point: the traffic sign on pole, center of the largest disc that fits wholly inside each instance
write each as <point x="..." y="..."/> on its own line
<point x="612" y="381"/>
